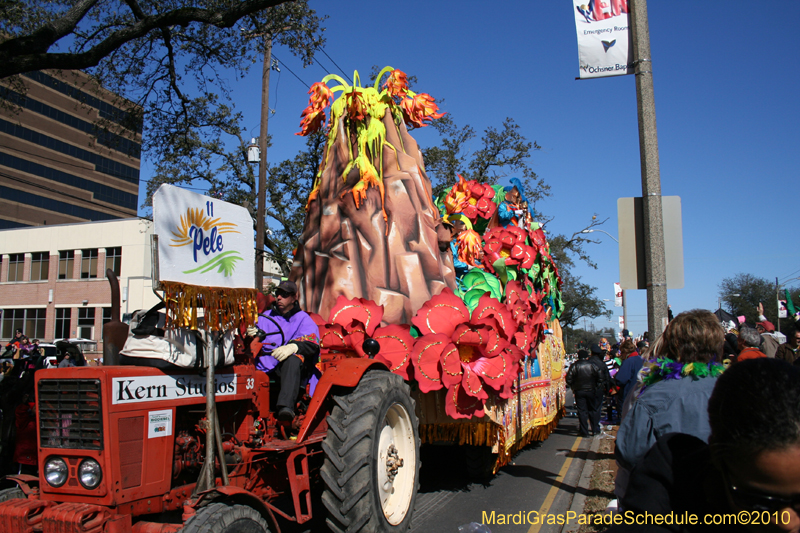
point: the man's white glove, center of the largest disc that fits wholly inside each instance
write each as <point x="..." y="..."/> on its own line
<point x="282" y="352"/>
<point x="252" y="331"/>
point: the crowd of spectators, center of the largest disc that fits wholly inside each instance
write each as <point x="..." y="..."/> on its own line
<point x="710" y="420"/>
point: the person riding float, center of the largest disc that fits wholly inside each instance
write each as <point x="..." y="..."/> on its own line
<point x="295" y="358"/>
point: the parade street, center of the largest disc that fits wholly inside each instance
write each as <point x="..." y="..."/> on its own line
<point x="542" y="478"/>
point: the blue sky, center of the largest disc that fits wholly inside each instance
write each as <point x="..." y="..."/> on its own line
<point x="727" y="107"/>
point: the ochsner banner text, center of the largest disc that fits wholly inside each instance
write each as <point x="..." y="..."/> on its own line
<point x="603" y="37"/>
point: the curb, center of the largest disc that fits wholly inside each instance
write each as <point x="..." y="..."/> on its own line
<point x="579" y="497"/>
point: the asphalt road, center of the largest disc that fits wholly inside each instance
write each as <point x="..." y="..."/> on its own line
<point x="541" y="478"/>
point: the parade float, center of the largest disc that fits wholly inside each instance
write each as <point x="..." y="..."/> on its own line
<point x="460" y="290"/>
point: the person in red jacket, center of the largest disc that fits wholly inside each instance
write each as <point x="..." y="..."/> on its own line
<point x="25" y="451"/>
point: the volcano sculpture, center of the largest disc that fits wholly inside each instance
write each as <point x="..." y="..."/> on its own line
<point x="372" y="230"/>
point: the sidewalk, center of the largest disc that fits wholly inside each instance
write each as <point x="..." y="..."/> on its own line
<point x="595" y="485"/>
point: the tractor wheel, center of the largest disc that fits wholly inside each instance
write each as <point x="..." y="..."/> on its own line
<point x="14" y="493"/>
<point x="371" y="468"/>
<point x="221" y="518"/>
<point x="479" y="461"/>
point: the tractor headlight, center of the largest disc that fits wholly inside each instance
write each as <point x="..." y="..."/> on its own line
<point x="90" y="473"/>
<point x="55" y="471"/>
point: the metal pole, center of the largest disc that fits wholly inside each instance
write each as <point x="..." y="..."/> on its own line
<point x="777" y="303"/>
<point x="206" y="479"/>
<point x="262" y="168"/>
<point x="625" y="311"/>
<point x="655" y="269"/>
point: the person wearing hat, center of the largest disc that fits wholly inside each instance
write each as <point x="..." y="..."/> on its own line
<point x="295" y="358"/>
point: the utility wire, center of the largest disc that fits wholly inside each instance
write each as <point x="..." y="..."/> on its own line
<point x="789" y="276"/>
<point x="291" y="72"/>
<point x="337" y="66"/>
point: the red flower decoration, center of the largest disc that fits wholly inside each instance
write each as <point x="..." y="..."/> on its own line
<point x="365" y="311"/>
<point x="426" y="358"/>
<point x="460" y="405"/>
<point x="441" y="314"/>
<point x="489" y="307"/>
<point x="465" y="354"/>
<point x="396" y="344"/>
<point x="509" y="245"/>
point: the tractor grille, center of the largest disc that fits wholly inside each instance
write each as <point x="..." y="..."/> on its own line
<point x="70" y="414"/>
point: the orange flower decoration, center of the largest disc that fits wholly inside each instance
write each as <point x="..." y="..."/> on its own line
<point x="420" y="110"/>
<point x="314" y="115"/>
<point x="354" y="102"/>
<point x="397" y="84"/>
<point x="321" y="95"/>
<point x="313" y="120"/>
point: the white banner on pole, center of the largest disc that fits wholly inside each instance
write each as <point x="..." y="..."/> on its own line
<point x="203" y="241"/>
<point x="783" y="312"/>
<point x="621" y="323"/>
<point x="617" y="295"/>
<point x="604" y="47"/>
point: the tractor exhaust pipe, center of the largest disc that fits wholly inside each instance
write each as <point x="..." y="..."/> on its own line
<point x="115" y="332"/>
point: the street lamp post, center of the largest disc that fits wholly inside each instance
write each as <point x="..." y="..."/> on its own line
<point x="624" y="300"/>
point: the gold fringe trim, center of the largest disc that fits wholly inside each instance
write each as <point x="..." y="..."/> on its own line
<point x="470" y="433"/>
<point x="223" y="309"/>
<point x="486" y="434"/>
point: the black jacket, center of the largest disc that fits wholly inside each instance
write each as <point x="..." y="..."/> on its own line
<point x="605" y="377"/>
<point x="583" y="376"/>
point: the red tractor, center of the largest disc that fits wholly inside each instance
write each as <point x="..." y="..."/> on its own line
<point x="122" y="449"/>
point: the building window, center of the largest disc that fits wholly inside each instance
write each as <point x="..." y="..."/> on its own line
<point x="40" y="265"/>
<point x="106" y="315"/>
<point x="66" y="262"/>
<point x="30" y="321"/>
<point x="89" y="264"/>
<point x="114" y="259"/>
<point x="86" y="322"/>
<point x="63" y="319"/>
<point x="16" y="263"/>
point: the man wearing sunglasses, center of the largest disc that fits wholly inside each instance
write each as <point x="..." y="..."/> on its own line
<point x="747" y="478"/>
<point x="291" y="346"/>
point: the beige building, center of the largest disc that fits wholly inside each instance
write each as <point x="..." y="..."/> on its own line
<point x="52" y="278"/>
<point x="69" y="152"/>
<point x="53" y="284"/>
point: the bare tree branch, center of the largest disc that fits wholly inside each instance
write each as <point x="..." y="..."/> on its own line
<point x="28" y="53"/>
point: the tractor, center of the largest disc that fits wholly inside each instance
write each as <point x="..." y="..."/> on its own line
<point x="123" y="448"/>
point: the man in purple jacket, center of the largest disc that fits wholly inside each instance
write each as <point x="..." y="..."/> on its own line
<point x="296" y="357"/>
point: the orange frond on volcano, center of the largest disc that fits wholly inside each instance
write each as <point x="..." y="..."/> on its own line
<point x="313" y="120"/>
<point x="321" y="95"/>
<point x="420" y="110"/>
<point x="397" y="84"/>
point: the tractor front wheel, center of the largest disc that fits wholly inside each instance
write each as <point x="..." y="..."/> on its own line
<point x="371" y="466"/>
<point x="221" y="518"/>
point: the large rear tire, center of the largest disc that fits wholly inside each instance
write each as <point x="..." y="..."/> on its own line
<point x="221" y="518"/>
<point x="371" y="468"/>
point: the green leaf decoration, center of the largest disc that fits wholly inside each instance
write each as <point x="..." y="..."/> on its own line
<point x="499" y="194"/>
<point x="472" y="297"/>
<point x="225" y="263"/>
<point x="484" y="282"/>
